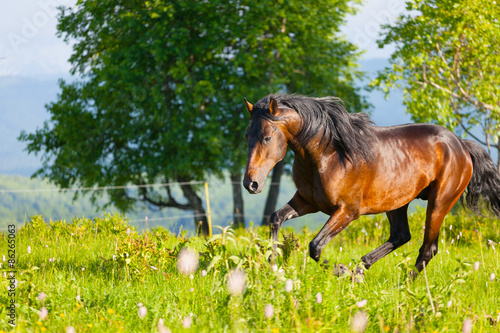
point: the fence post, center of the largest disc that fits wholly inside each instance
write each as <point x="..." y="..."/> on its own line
<point x="209" y="218"/>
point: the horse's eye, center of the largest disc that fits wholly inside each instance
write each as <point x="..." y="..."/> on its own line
<point x="267" y="139"/>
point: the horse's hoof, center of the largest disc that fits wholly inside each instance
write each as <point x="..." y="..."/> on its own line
<point x="341" y="269"/>
<point x="325" y="264"/>
<point x="413" y="275"/>
<point x="358" y="277"/>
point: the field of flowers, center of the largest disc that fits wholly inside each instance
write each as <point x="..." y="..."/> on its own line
<point x="102" y="276"/>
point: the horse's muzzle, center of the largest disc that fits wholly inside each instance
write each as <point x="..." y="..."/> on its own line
<point x="252" y="186"/>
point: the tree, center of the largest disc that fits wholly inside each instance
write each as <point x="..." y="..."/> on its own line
<point x="448" y="64"/>
<point x="142" y="110"/>
<point x="293" y="46"/>
<point x="159" y="90"/>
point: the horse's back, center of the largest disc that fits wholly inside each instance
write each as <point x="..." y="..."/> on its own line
<point x="409" y="158"/>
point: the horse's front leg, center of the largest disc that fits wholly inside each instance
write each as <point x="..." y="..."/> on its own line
<point x="296" y="207"/>
<point x="337" y="222"/>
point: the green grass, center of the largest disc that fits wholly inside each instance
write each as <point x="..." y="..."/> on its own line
<point x="110" y="289"/>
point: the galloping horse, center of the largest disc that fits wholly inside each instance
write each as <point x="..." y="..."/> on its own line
<point x="346" y="167"/>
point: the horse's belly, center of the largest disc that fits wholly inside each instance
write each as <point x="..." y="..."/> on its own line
<point x="390" y="195"/>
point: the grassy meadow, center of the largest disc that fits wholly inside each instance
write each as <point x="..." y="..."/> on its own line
<point x="102" y="275"/>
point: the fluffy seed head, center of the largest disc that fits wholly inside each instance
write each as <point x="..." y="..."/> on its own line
<point x="43" y="313"/>
<point x="467" y="326"/>
<point x="188" y="321"/>
<point x="187" y="261"/>
<point x="359" y="322"/>
<point x="143" y="311"/>
<point x="361" y="303"/>
<point x="319" y="298"/>
<point x="41" y="296"/>
<point x="161" y="327"/>
<point x="236" y="282"/>
<point x="289" y="286"/>
<point x="269" y="311"/>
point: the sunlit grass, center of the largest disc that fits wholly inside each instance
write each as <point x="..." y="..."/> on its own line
<point x="97" y="277"/>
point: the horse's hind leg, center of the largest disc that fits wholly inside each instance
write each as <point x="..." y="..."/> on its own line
<point x="439" y="204"/>
<point x="400" y="234"/>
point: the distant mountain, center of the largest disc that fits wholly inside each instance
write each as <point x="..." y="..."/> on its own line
<point x="22" y="103"/>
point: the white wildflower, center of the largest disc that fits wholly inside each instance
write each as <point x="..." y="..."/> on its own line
<point x="359" y="322"/>
<point x="476" y="266"/>
<point x="162" y="328"/>
<point x="492" y="277"/>
<point x="188" y="321"/>
<point x="269" y="311"/>
<point x="319" y="298"/>
<point x="29" y="249"/>
<point x="43" y="313"/>
<point x="467" y="326"/>
<point x="70" y="329"/>
<point x="203" y="273"/>
<point x="142" y="311"/>
<point x="236" y="281"/>
<point x="41" y="296"/>
<point x="449" y="304"/>
<point x="361" y="303"/>
<point x="289" y="286"/>
<point x="187" y="261"/>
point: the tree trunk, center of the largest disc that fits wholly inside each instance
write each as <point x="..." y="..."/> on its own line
<point x="498" y="157"/>
<point x="274" y="190"/>
<point x="238" y="211"/>
<point x="200" y="216"/>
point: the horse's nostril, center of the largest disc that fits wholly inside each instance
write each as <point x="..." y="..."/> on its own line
<point x="254" y="186"/>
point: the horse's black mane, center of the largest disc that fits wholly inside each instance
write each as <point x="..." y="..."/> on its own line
<point x="349" y="133"/>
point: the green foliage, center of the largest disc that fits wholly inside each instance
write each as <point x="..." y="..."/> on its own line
<point x="445" y="60"/>
<point x="97" y="279"/>
<point x="159" y="88"/>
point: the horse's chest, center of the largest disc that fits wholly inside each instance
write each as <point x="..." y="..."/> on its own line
<point x="314" y="191"/>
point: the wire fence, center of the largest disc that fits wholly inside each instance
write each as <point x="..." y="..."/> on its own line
<point x="147" y="217"/>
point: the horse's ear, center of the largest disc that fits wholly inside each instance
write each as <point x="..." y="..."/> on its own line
<point x="273" y="107"/>
<point x="249" y="106"/>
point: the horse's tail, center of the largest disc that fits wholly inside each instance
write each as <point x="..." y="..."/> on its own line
<point x="485" y="181"/>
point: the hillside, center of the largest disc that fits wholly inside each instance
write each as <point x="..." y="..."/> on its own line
<point x="55" y="205"/>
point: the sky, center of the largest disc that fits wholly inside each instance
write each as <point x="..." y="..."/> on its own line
<point x="29" y="45"/>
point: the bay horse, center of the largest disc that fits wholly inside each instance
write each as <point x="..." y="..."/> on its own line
<point x="345" y="167"/>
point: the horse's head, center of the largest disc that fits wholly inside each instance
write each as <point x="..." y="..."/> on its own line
<point x="267" y="137"/>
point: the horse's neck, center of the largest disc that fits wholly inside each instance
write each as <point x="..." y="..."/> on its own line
<point x="311" y="155"/>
